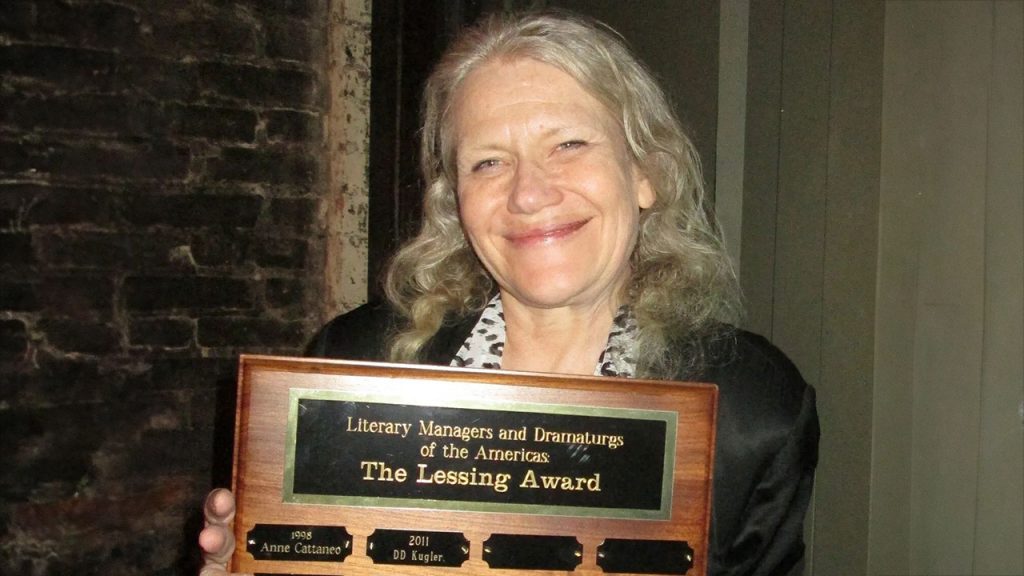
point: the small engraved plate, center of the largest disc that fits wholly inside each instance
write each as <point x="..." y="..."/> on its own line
<point x="417" y="547"/>
<point x="645" y="556"/>
<point x="523" y="552"/>
<point x="299" y="543"/>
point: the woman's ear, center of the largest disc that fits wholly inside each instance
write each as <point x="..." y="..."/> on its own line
<point x="644" y="191"/>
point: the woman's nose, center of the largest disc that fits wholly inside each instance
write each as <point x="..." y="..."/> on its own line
<point x="532" y="190"/>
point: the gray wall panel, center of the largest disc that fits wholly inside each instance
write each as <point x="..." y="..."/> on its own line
<point x="848" y="291"/>
<point x="761" y="163"/>
<point x="999" y="545"/>
<point x="948" y="375"/>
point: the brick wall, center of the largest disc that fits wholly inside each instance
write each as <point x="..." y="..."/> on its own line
<point x="160" y="175"/>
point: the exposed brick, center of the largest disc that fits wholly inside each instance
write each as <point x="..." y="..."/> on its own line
<point x="92" y="159"/>
<point x="13" y="340"/>
<point x="280" y="253"/>
<point x="192" y="210"/>
<point x="63" y="67"/>
<point x="190" y="373"/>
<point x="294" y="214"/>
<point x="159" y="161"/>
<point x="100" y="113"/>
<point x="46" y="455"/>
<point x="226" y="124"/>
<point x="65" y="205"/>
<point x="224" y="249"/>
<point x="160" y="453"/>
<point x="108" y="250"/>
<point x="16" y="248"/>
<point x="78" y="296"/>
<point x="197" y="35"/>
<point x="133" y="533"/>
<point x="298" y="8"/>
<point x="14" y="156"/>
<point x="164" y="332"/>
<point x="84" y="250"/>
<point x="17" y="18"/>
<point x="284" y="86"/>
<point x="96" y="25"/>
<point x="284" y="292"/>
<point x="292" y="126"/>
<point x="79" y="336"/>
<point x="276" y="166"/>
<point x="287" y="39"/>
<point x="190" y="293"/>
<point x="260" y="332"/>
<point x="155" y="78"/>
<point x="18" y="296"/>
<point x="9" y="216"/>
<point x="58" y="381"/>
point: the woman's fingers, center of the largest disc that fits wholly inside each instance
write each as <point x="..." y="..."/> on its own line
<point x="219" y="507"/>
<point x="217" y="539"/>
<point x="217" y="543"/>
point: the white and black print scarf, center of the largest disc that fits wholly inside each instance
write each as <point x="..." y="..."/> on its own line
<point x="485" y="344"/>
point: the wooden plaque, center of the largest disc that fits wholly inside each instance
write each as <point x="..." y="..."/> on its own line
<point x="361" y="468"/>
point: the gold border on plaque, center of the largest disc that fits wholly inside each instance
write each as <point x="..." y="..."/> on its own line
<point x="670" y="419"/>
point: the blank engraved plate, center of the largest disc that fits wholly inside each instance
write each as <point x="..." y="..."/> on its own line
<point x="645" y="556"/>
<point x="522" y="552"/>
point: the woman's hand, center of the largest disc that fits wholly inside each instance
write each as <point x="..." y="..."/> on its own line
<point x="217" y="538"/>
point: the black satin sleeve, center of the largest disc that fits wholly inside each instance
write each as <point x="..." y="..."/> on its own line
<point x="366" y="332"/>
<point x="765" y="456"/>
<point x="361" y="334"/>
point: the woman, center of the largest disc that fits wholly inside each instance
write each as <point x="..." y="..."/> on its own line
<point x="565" y="230"/>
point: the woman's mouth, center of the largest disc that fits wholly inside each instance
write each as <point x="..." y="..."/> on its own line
<point x="545" y="234"/>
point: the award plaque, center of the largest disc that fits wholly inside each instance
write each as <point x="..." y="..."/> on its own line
<point x="361" y="468"/>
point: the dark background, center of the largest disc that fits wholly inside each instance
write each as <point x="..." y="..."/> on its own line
<point x="160" y="167"/>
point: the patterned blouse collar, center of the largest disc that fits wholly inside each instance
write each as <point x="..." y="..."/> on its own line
<point x="485" y="344"/>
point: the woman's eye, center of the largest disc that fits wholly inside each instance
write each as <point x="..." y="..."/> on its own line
<point x="572" y="145"/>
<point x="484" y="164"/>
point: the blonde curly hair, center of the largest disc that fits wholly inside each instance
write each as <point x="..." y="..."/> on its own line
<point x="682" y="286"/>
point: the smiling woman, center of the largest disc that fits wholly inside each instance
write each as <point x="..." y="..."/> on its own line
<point x="550" y="201"/>
<point x="565" y="230"/>
<point x="677" y="279"/>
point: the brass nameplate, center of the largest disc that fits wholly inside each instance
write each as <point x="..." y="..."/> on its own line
<point x="417" y="548"/>
<point x="343" y="466"/>
<point x="299" y="543"/>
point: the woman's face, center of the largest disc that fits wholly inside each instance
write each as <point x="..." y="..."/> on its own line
<point x="548" y="193"/>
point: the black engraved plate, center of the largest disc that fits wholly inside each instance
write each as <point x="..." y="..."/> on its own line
<point x="605" y="462"/>
<point x="645" y="556"/>
<point x="299" y="543"/>
<point x="417" y="547"/>
<point x="524" y="552"/>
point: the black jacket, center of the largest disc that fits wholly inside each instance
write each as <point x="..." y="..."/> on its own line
<point x="766" y="446"/>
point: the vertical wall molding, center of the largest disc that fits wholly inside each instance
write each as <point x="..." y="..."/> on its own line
<point x="344" y="206"/>
<point x="809" y="232"/>
<point x="732" y="112"/>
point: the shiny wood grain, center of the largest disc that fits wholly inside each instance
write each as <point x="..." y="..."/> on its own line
<point x="261" y="425"/>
